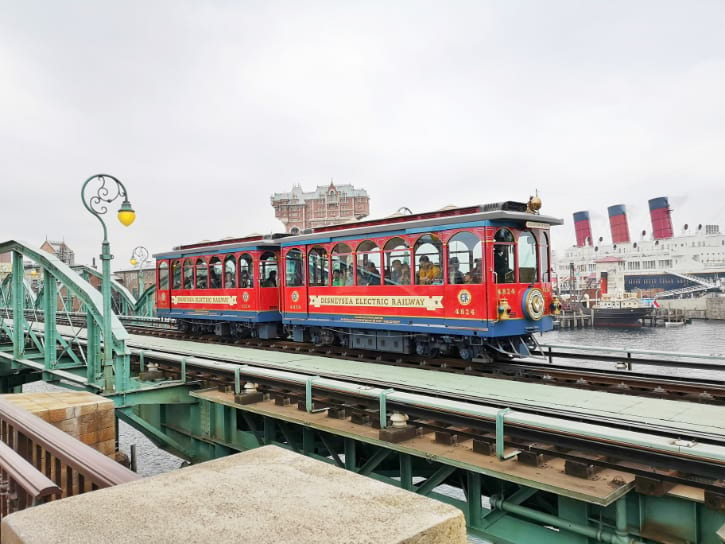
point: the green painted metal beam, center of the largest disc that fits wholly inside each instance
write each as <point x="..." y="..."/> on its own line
<point x="177" y="393"/>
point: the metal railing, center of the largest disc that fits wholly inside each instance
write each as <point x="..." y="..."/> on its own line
<point x="21" y="485"/>
<point x="39" y="462"/>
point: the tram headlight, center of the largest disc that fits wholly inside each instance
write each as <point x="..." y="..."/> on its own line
<point x="533" y="303"/>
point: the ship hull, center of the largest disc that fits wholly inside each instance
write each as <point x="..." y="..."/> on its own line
<point x="619" y="317"/>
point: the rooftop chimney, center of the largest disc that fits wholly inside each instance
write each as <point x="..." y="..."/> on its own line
<point x="618" y="223"/>
<point x="659" y="212"/>
<point x="583" y="229"/>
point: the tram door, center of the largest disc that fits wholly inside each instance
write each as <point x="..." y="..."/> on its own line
<point x="466" y="297"/>
<point x="295" y="288"/>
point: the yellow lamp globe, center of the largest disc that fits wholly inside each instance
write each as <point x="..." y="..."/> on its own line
<point x="126" y="215"/>
<point x="134" y="262"/>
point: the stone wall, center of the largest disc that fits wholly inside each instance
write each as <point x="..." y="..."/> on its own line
<point x="85" y="416"/>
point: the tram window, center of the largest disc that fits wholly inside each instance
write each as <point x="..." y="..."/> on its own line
<point x="201" y="274"/>
<point x="230" y="272"/>
<point x="267" y="269"/>
<point x="428" y="250"/>
<point x="527" y="258"/>
<point x="176" y="274"/>
<point x="544" y="256"/>
<point x="397" y="262"/>
<point x="246" y="271"/>
<point x="368" y="263"/>
<point x="317" y="262"/>
<point x="215" y="273"/>
<point x="342" y="269"/>
<point x="188" y="274"/>
<point x="294" y="271"/>
<point x="503" y="256"/>
<point x="163" y="276"/>
<point x="464" y="258"/>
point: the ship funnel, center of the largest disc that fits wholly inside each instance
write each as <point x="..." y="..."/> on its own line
<point x="659" y="212"/>
<point x="583" y="228"/>
<point x="618" y="224"/>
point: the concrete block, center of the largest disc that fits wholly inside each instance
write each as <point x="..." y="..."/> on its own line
<point x="109" y="433"/>
<point x="85" y="416"/>
<point x="398" y="434"/>
<point x="106" y="418"/>
<point x="265" y="495"/>
<point x="89" y="438"/>
<point x="107" y="447"/>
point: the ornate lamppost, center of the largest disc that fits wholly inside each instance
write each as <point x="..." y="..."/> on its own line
<point x="139" y="257"/>
<point x="107" y="189"/>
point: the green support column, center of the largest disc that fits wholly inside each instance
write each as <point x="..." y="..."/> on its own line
<point x="350" y="454"/>
<point x="123" y="370"/>
<point x="270" y="430"/>
<point x="473" y="488"/>
<point x="308" y="441"/>
<point x="107" y="330"/>
<point x="18" y="307"/>
<point x="93" y="351"/>
<point x="406" y="471"/>
<point x="50" y="307"/>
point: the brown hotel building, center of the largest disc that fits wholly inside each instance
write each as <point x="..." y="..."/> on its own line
<point x="326" y="205"/>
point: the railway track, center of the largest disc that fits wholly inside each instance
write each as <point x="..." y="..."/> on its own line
<point x="545" y="371"/>
<point x="555" y="365"/>
<point x="452" y="425"/>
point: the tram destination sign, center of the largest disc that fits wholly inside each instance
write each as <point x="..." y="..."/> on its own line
<point x="430" y="303"/>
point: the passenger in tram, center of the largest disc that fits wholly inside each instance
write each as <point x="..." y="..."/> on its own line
<point x="229" y="280"/>
<point x="429" y="273"/>
<point x="271" y="280"/>
<point x="371" y="274"/>
<point x="504" y="274"/>
<point x="405" y="274"/>
<point x="337" y="278"/>
<point x="244" y="280"/>
<point x="347" y="274"/>
<point x="396" y="271"/>
<point x="454" y="274"/>
<point x="476" y="273"/>
<point x="215" y="281"/>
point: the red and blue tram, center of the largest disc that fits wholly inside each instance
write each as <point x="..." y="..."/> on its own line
<point x="227" y="288"/>
<point x="472" y="280"/>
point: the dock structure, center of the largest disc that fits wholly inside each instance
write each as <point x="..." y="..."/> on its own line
<point x="573" y="319"/>
<point x="524" y="462"/>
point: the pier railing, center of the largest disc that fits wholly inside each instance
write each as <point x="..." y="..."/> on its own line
<point x="39" y="462"/>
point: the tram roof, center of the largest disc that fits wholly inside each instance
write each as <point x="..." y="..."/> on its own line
<point x="414" y="224"/>
<point x="500" y="211"/>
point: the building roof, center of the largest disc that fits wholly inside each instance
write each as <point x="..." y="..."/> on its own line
<point x="321" y="191"/>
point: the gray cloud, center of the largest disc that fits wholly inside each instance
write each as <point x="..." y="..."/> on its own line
<point x="205" y="109"/>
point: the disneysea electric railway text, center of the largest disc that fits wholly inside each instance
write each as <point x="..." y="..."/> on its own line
<point x="473" y="281"/>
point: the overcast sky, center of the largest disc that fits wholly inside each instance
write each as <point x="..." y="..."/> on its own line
<point x="204" y="109"/>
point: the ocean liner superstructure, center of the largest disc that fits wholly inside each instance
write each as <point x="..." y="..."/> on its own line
<point x="657" y="265"/>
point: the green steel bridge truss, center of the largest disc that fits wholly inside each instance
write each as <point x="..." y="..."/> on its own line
<point x="178" y="417"/>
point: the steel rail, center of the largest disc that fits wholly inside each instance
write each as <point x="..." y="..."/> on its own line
<point x="436" y="407"/>
<point x="191" y="361"/>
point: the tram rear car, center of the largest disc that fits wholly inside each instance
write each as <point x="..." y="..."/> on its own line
<point x="470" y="280"/>
<point x="223" y="288"/>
